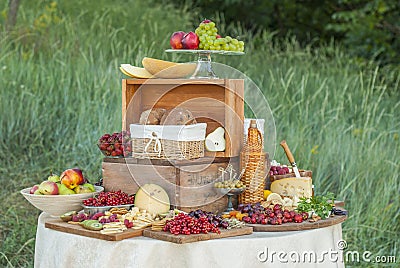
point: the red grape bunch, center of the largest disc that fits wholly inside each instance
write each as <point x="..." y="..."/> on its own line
<point x="185" y="224"/>
<point x="113" y="198"/>
<point x="257" y="214"/>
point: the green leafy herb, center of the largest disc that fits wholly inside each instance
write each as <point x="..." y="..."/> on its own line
<point x="320" y="205"/>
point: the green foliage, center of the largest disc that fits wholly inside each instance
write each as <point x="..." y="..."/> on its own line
<point x="368" y="29"/>
<point x="321" y="205"/>
<point x="60" y="91"/>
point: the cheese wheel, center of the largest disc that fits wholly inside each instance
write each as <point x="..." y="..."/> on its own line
<point x="293" y="187"/>
<point x="152" y="198"/>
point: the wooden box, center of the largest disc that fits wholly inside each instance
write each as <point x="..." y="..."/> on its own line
<point x="189" y="183"/>
<point x="217" y="102"/>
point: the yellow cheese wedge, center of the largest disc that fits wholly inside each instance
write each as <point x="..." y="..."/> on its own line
<point x="293" y="187"/>
<point x="168" y="69"/>
<point x="135" y="72"/>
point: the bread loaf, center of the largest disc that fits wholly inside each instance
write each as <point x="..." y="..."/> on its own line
<point x="178" y="116"/>
<point x="152" y="116"/>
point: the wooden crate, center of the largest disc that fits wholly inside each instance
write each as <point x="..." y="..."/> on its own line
<point x="217" y="102"/>
<point x="189" y="183"/>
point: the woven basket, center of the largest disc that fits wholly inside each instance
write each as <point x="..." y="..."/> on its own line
<point x="303" y="173"/>
<point x="252" y="163"/>
<point x="175" y="142"/>
<point x="170" y="149"/>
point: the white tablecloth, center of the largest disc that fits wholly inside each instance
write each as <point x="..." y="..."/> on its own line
<point x="312" y="248"/>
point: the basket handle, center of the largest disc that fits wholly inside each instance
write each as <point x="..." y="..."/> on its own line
<point x="157" y="144"/>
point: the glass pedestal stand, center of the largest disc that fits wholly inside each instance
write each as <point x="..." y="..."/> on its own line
<point x="230" y="193"/>
<point x="204" y="68"/>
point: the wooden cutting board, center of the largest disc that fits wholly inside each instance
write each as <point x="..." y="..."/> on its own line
<point x="61" y="226"/>
<point x="291" y="226"/>
<point x="182" y="239"/>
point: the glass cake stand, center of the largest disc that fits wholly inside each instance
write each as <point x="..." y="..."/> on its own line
<point x="230" y="192"/>
<point x="204" y="69"/>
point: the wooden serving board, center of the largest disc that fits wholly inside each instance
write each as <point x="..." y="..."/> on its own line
<point x="182" y="239"/>
<point x="291" y="226"/>
<point x="61" y="226"/>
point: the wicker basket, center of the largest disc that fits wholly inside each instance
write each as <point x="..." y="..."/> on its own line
<point x="158" y="147"/>
<point x="170" y="149"/>
<point x="252" y="163"/>
<point x="303" y="173"/>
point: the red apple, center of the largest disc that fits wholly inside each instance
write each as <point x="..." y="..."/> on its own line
<point x="48" y="188"/>
<point x="176" y="40"/>
<point x="72" y="178"/>
<point x="190" y="41"/>
<point x="206" y="21"/>
<point x="218" y="36"/>
<point x="33" y="189"/>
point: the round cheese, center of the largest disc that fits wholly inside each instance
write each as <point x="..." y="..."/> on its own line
<point x="152" y="198"/>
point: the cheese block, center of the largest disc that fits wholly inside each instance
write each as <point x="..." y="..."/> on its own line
<point x="152" y="198"/>
<point x="134" y="71"/>
<point x="293" y="187"/>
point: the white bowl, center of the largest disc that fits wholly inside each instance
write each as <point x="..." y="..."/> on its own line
<point x="57" y="205"/>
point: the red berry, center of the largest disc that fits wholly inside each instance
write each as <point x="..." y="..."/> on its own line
<point x="298" y="218"/>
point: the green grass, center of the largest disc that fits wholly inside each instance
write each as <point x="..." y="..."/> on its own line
<point x="60" y="91"/>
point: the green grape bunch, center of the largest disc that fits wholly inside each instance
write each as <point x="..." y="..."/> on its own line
<point x="211" y="40"/>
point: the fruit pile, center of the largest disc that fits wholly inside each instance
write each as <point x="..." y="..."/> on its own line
<point x="210" y="39"/>
<point x="71" y="181"/>
<point x="217" y="220"/>
<point x="257" y="214"/>
<point x="116" y="144"/>
<point x="186" y="224"/>
<point x="112" y="198"/>
<point x="205" y="37"/>
<point x="279" y="170"/>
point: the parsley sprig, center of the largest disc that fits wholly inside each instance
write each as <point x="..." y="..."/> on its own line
<point x="320" y="205"/>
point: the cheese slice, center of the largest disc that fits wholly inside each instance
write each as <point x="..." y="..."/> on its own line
<point x="168" y="69"/>
<point x="293" y="187"/>
<point x="134" y="71"/>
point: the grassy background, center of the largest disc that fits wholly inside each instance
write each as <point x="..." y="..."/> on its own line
<point x="60" y="91"/>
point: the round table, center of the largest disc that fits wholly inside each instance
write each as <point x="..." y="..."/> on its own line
<point x="311" y="248"/>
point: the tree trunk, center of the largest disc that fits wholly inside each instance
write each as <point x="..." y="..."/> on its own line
<point x="12" y="14"/>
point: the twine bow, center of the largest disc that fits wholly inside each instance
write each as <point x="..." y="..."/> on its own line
<point x="157" y="144"/>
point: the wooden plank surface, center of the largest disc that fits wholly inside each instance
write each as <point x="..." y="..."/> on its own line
<point x="171" y="162"/>
<point x="182" y="239"/>
<point x="298" y="226"/>
<point x="59" y="225"/>
<point x="234" y="116"/>
<point x="128" y="177"/>
<point x="158" y="81"/>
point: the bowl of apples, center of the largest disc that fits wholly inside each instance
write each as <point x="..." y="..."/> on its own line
<point x="60" y="194"/>
<point x="115" y="145"/>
